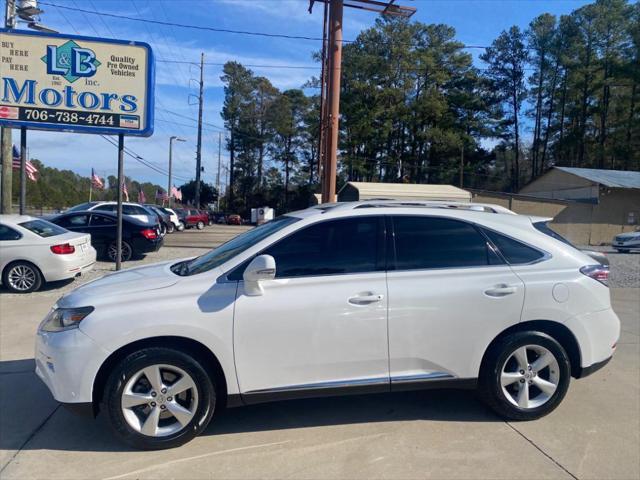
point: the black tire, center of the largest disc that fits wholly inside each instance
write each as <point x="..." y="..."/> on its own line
<point x="491" y="390"/>
<point x="181" y="226"/>
<point x="163" y="229"/>
<point x="171" y="228"/>
<point x="622" y="250"/>
<point x="200" y="225"/>
<point x="127" y="252"/>
<point x="133" y="363"/>
<point x="30" y="273"/>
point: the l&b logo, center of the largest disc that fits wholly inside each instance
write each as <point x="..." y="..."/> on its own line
<point x="71" y="61"/>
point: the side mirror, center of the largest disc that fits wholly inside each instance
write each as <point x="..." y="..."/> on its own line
<point x="261" y="268"/>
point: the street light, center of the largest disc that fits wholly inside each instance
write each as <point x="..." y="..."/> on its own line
<point x="171" y="139"/>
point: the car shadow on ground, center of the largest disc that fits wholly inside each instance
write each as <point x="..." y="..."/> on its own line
<point x="58" y="429"/>
<point x="46" y="287"/>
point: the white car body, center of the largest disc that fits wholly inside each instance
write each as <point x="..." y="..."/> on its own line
<point x="174" y="217"/>
<point x="390" y="329"/>
<point x="36" y="250"/>
<point x="626" y="241"/>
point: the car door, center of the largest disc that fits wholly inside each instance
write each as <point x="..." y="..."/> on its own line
<point x="10" y="243"/>
<point x="322" y="322"/>
<point x="103" y="230"/>
<point x="450" y="294"/>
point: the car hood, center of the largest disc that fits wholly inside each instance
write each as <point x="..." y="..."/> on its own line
<point x="134" y="280"/>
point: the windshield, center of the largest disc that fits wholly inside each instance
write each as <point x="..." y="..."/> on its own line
<point x="233" y="247"/>
<point x="81" y="207"/>
<point x="43" y="228"/>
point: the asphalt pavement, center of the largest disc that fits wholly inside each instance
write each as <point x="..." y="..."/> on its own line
<point x="594" y="434"/>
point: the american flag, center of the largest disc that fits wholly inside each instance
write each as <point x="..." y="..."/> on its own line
<point x="141" y="197"/>
<point x="96" y="181"/>
<point x="161" y="195"/>
<point x="31" y="169"/>
<point x="125" y="192"/>
<point x="175" y="193"/>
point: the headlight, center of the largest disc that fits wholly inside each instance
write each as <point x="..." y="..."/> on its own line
<point x="60" y="319"/>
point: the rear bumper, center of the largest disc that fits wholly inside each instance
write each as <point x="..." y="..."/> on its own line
<point x="593" y="368"/>
<point x="597" y="334"/>
<point x="71" y="266"/>
<point x="142" y="245"/>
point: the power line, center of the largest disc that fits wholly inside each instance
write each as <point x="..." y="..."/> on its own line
<point x="212" y="29"/>
<point x="300" y="67"/>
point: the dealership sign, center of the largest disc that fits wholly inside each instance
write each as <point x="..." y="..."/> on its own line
<point x="77" y="84"/>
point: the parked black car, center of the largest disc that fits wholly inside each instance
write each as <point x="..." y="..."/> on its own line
<point x="138" y="237"/>
<point x="166" y="224"/>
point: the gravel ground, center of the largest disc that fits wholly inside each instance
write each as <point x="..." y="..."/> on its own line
<point x="625" y="267"/>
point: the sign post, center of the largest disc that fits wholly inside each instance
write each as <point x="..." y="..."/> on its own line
<point x="71" y="83"/>
<point x="23" y="170"/>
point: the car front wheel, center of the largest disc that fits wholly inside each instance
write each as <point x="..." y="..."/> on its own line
<point x="200" y="225"/>
<point x="159" y="398"/>
<point x="525" y="375"/>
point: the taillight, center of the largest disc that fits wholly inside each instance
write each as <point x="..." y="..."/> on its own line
<point x="599" y="273"/>
<point x="64" y="249"/>
<point x="149" y="234"/>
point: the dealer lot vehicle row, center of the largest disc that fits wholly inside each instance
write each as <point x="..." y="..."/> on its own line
<point x="363" y="297"/>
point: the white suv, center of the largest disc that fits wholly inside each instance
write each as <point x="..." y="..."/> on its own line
<point x="342" y="298"/>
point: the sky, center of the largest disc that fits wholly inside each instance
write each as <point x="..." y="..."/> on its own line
<point x="477" y="22"/>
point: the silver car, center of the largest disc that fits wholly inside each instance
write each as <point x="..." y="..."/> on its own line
<point x="626" y="242"/>
<point x="34" y="251"/>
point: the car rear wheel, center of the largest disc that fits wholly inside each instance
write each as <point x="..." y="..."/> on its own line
<point x="22" y="277"/>
<point x="163" y="229"/>
<point x="622" y="250"/>
<point x="525" y="375"/>
<point x="159" y="398"/>
<point x="200" y="225"/>
<point x="112" y="252"/>
<point x="171" y="228"/>
<point x="180" y="226"/>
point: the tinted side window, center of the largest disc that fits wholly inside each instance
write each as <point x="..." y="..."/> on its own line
<point x="102" y="220"/>
<point x="7" y="233"/>
<point x="328" y="248"/>
<point x="108" y="207"/>
<point x="513" y="251"/>
<point x="429" y="242"/>
<point x="74" y="221"/>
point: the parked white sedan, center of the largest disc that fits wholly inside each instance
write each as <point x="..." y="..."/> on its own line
<point x="626" y="242"/>
<point x="34" y="251"/>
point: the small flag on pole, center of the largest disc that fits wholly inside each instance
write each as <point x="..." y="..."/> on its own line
<point x="161" y="195"/>
<point x="175" y="193"/>
<point x="125" y="192"/>
<point x="31" y="169"/>
<point x="141" y="197"/>
<point x="96" y="181"/>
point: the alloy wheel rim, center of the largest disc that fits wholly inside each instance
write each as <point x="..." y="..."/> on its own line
<point x="159" y="400"/>
<point x="22" y="278"/>
<point x="113" y="251"/>
<point x="530" y="376"/>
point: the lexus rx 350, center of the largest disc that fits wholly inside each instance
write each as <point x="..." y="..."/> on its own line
<point x="343" y="298"/>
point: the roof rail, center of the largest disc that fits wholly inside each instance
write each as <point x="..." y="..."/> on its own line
<point x="479" y="207"/>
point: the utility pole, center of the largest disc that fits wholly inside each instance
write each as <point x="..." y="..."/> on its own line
<point x="323" y="81"/>
<point x="332" y="63"/>
<point x="6" y="141"/>
<point x="199" y="145"/>
<point x="218" y="176"/>
<point x="171" y="139"/>
<point x="462" y="165"/>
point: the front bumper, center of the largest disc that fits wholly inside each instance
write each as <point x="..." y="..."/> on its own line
<point x="67" y="362"/>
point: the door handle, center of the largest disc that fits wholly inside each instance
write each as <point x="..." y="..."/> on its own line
<point x="501" y="290"/>
<point x="365" y="298"/>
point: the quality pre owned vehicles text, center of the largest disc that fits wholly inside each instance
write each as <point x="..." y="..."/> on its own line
<point x="348" y="298"/>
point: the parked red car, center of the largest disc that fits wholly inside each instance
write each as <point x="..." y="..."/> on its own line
<point x="234" y="220"/>
<point x="195" y="218"/>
